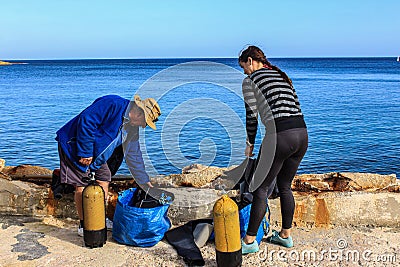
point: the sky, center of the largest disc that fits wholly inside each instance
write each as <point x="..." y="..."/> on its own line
<point x="48" y="29"/>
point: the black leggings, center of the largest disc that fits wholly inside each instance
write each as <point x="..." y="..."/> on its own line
<point x="291" y="145"/>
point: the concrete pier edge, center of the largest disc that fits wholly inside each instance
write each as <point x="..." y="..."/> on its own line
<point x="326" y="209"/>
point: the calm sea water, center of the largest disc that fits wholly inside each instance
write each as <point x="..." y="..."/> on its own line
<point x="351" y="107"/>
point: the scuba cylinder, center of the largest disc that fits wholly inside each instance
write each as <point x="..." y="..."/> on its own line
<point x="227" y="233"/>
<point x="94" y="214"/>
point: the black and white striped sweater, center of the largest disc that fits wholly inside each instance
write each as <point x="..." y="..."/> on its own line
<point x="266" y="93"/>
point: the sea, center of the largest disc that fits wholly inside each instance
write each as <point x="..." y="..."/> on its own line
<point x="351" y="107"/>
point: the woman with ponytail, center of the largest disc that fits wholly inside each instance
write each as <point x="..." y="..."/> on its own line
<point x="269" y="92"/>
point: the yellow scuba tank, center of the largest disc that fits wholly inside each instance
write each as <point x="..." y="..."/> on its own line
<point x="94" y="214"/>
<point x="227" y="232"/>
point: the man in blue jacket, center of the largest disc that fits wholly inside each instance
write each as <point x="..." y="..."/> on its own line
<point x="87" y="141"/>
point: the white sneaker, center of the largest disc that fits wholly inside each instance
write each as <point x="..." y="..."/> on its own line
<point x="80" y="230"/>
<point x="109" y="224"/>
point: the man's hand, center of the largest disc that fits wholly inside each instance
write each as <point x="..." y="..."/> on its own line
<point x="149" y="184"/>
<point x="86" y="161"/>
<point x="249" y="151"/>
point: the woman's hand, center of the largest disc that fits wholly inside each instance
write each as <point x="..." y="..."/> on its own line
<point x="86" y="161"/>
<point x="249" y="151"/>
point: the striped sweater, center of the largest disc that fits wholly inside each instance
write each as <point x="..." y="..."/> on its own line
<point x="266" y="93"/>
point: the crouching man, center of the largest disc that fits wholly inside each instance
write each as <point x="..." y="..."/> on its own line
<point x="86" y="142"/>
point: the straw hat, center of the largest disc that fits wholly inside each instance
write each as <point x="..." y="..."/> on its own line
<point x="151" y="110"/>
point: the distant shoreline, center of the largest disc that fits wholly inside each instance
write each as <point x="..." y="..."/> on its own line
<point x="5" y="63"/>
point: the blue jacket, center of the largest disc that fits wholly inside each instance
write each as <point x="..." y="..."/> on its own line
<point x="97" y="131"/>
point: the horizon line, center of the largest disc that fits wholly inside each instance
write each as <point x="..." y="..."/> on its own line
<point x="153" y="58"/>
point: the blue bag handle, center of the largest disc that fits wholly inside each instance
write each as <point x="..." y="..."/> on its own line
<point x="268" y="219"/>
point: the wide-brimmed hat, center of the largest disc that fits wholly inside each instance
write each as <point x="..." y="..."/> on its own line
<point x="151" y="110"/>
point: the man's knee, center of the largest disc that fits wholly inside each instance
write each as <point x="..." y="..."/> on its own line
<point x="79" y="189"/>
<point x="103" y="183"/>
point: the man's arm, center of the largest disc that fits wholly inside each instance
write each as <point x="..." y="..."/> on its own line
<point x="134" y="160"/>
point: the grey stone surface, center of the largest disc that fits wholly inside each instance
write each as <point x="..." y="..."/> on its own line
<point x="18" y="197"/>
<point x="191" y="204"/>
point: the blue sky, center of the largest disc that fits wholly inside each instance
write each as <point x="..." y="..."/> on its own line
<point x="167" y="29"/>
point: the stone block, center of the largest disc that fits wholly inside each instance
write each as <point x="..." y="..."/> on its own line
<point x="343" y="209"/>
<point x="2" y="164"/>
<point x="191" y="204"/>
<point x="196" y="175"/>
<point x="18" y="197"/>
<point x="343" y="181"/>
<point x="24" y="170"/>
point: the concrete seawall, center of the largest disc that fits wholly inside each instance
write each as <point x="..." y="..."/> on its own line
<point x="326" y="209"/>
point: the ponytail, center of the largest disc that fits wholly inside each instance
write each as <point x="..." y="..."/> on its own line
<point x="282" y="73"/>
<point x="258" y="55"/>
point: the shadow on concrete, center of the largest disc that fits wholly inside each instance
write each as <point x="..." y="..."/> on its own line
<point x="65" y="234"/>
<point x="16" y="220"/>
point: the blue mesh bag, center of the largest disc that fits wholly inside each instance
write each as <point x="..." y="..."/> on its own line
<point x="141" y="227"/>
<point x="244" y="217"/>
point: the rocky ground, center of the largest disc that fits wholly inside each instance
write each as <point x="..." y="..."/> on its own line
<point x="49" y="241"/>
